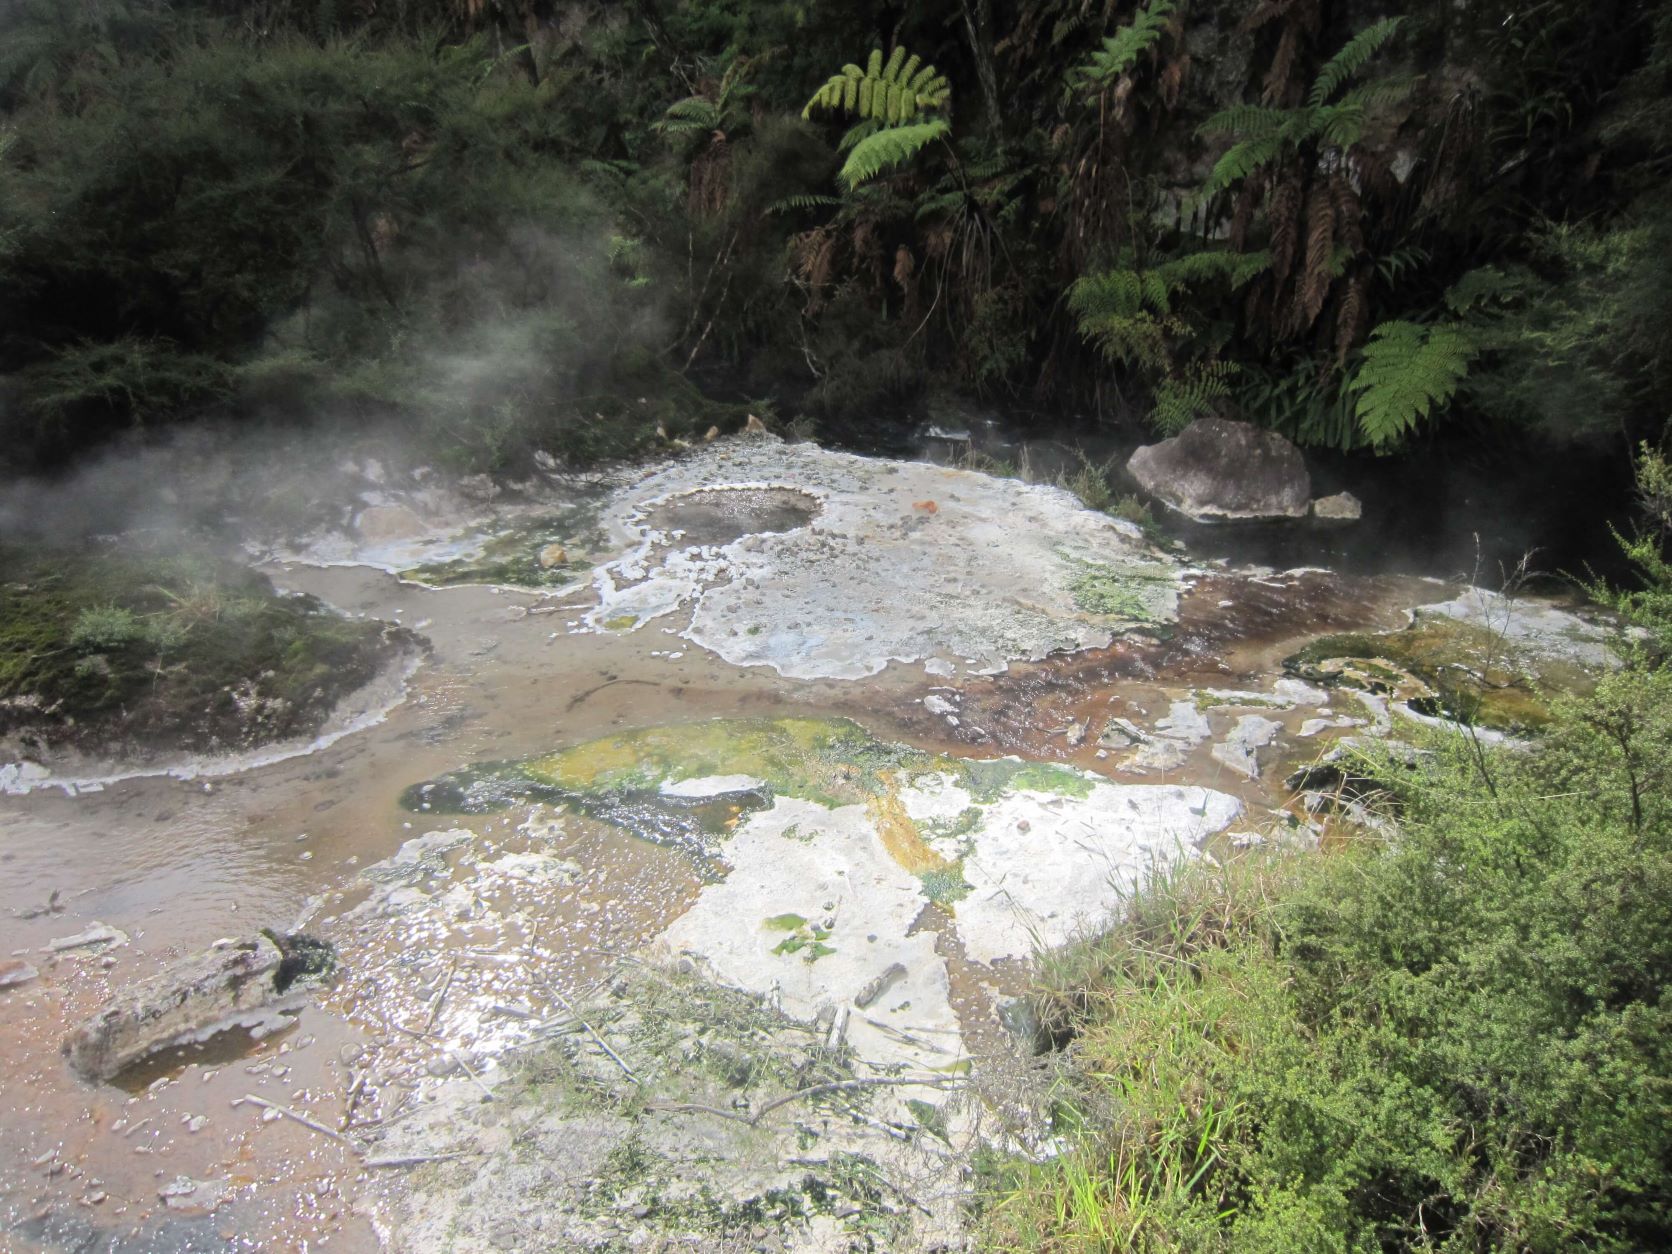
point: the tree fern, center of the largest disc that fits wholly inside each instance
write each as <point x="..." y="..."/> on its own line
<point x="1409" y="372"/>
<point x="1263" y="134"/>
<point x="895" y="100"/>
<point x="888" y="148"/>
<point x="1120" y="51"/>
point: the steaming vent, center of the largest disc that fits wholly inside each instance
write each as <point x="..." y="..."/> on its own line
<point x="720" y="515"/>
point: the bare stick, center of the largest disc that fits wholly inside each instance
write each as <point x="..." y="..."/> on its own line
<point x="602" y="1043"/>
<point x="487" y="1093"/>
<point x="697" y="1108"/>
<point x="435" y="1006"/>
<point x="302" y="1119"/>
<point x="844" y="1086"/>
<point x="412" y="1160"/>
<point x="815" y="1090"/>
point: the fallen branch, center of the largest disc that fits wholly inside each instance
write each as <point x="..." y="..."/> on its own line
<point x="435" y="1006"/>
<point x="602" y="1043"/>
<point x="813" y="1090"/>
<point x="300" y="1118"/>
<point x="487" y="1093"/>
<point x="843" y="1086"/>
<point x="412" y="1160"/>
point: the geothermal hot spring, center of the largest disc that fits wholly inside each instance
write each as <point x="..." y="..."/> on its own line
<point x="765" y="768"/>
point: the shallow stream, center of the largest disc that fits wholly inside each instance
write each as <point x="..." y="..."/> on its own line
<point x="522" y="909"/>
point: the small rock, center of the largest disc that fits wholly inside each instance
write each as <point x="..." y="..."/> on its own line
<point x="1342" y="507"/>
<point x="553" y="555"/>
<point x="14" y="972"/>
<point x="384" y="523"/>
<point x="98" y="934"/>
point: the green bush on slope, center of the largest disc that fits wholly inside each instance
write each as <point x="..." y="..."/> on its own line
<point x="1457" y="1038"/>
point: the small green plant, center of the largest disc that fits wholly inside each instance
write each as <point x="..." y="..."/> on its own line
<point x="101" y="627"/>
<point x="1089" y="482"/>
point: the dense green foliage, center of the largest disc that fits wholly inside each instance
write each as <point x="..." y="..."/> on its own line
<point x="1455" y="1036"/>
<point x="169" y="649"/>
<point x="518" y="226"/>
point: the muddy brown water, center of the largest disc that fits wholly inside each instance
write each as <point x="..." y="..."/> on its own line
<point x="177" y="863"/>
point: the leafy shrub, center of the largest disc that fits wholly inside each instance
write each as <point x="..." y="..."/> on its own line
<point x="1458" y="1037"/>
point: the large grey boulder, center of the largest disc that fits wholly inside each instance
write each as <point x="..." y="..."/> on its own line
<point x="1220" y="471"/>
<point x="235" y="982"/>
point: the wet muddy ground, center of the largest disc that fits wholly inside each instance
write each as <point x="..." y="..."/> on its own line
<point x="525" y="915"/>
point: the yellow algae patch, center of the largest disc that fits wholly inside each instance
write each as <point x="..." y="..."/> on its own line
<point x="829" y="761"/>
<point x="905" y="844"/>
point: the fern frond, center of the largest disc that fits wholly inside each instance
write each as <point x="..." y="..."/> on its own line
<point x="1409" y="372"/>
<point x="1235" y="268"/>
<point x="1342" y="125"/>
<point x="887" y="148"/>
<point x="1480" y="287"/>
<point x="1382" y="92"/>
<point x="1139" y="338"/>
<point x="694" y="108"/>
<point x="891" y="93"/>
<point x="1246" y="121"/>
<point x="1392" y="267"/>
<point x="1351" y="59"/>
<point x="1185" y="397"/>
<point x="857" y="132"/>
<point x="1125" y="292"/>
<point x="1238" y="162"/>
<point x="1120" y="51"/>
<point x="940" y="202"/>
<point x="795" y="204"/>
<point x="1106" y="294"/>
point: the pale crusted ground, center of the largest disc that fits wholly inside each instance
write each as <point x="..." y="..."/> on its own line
<point x="904" y="561"/>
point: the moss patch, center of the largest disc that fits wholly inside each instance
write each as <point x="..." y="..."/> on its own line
<point x="547" y="551"/>
<point x="1443" y="667"/>
<point x="170" y="650"/>
<point x="988" y="781"/>
<point x="1133" y="593"/>
<point x="945" y="885"/>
